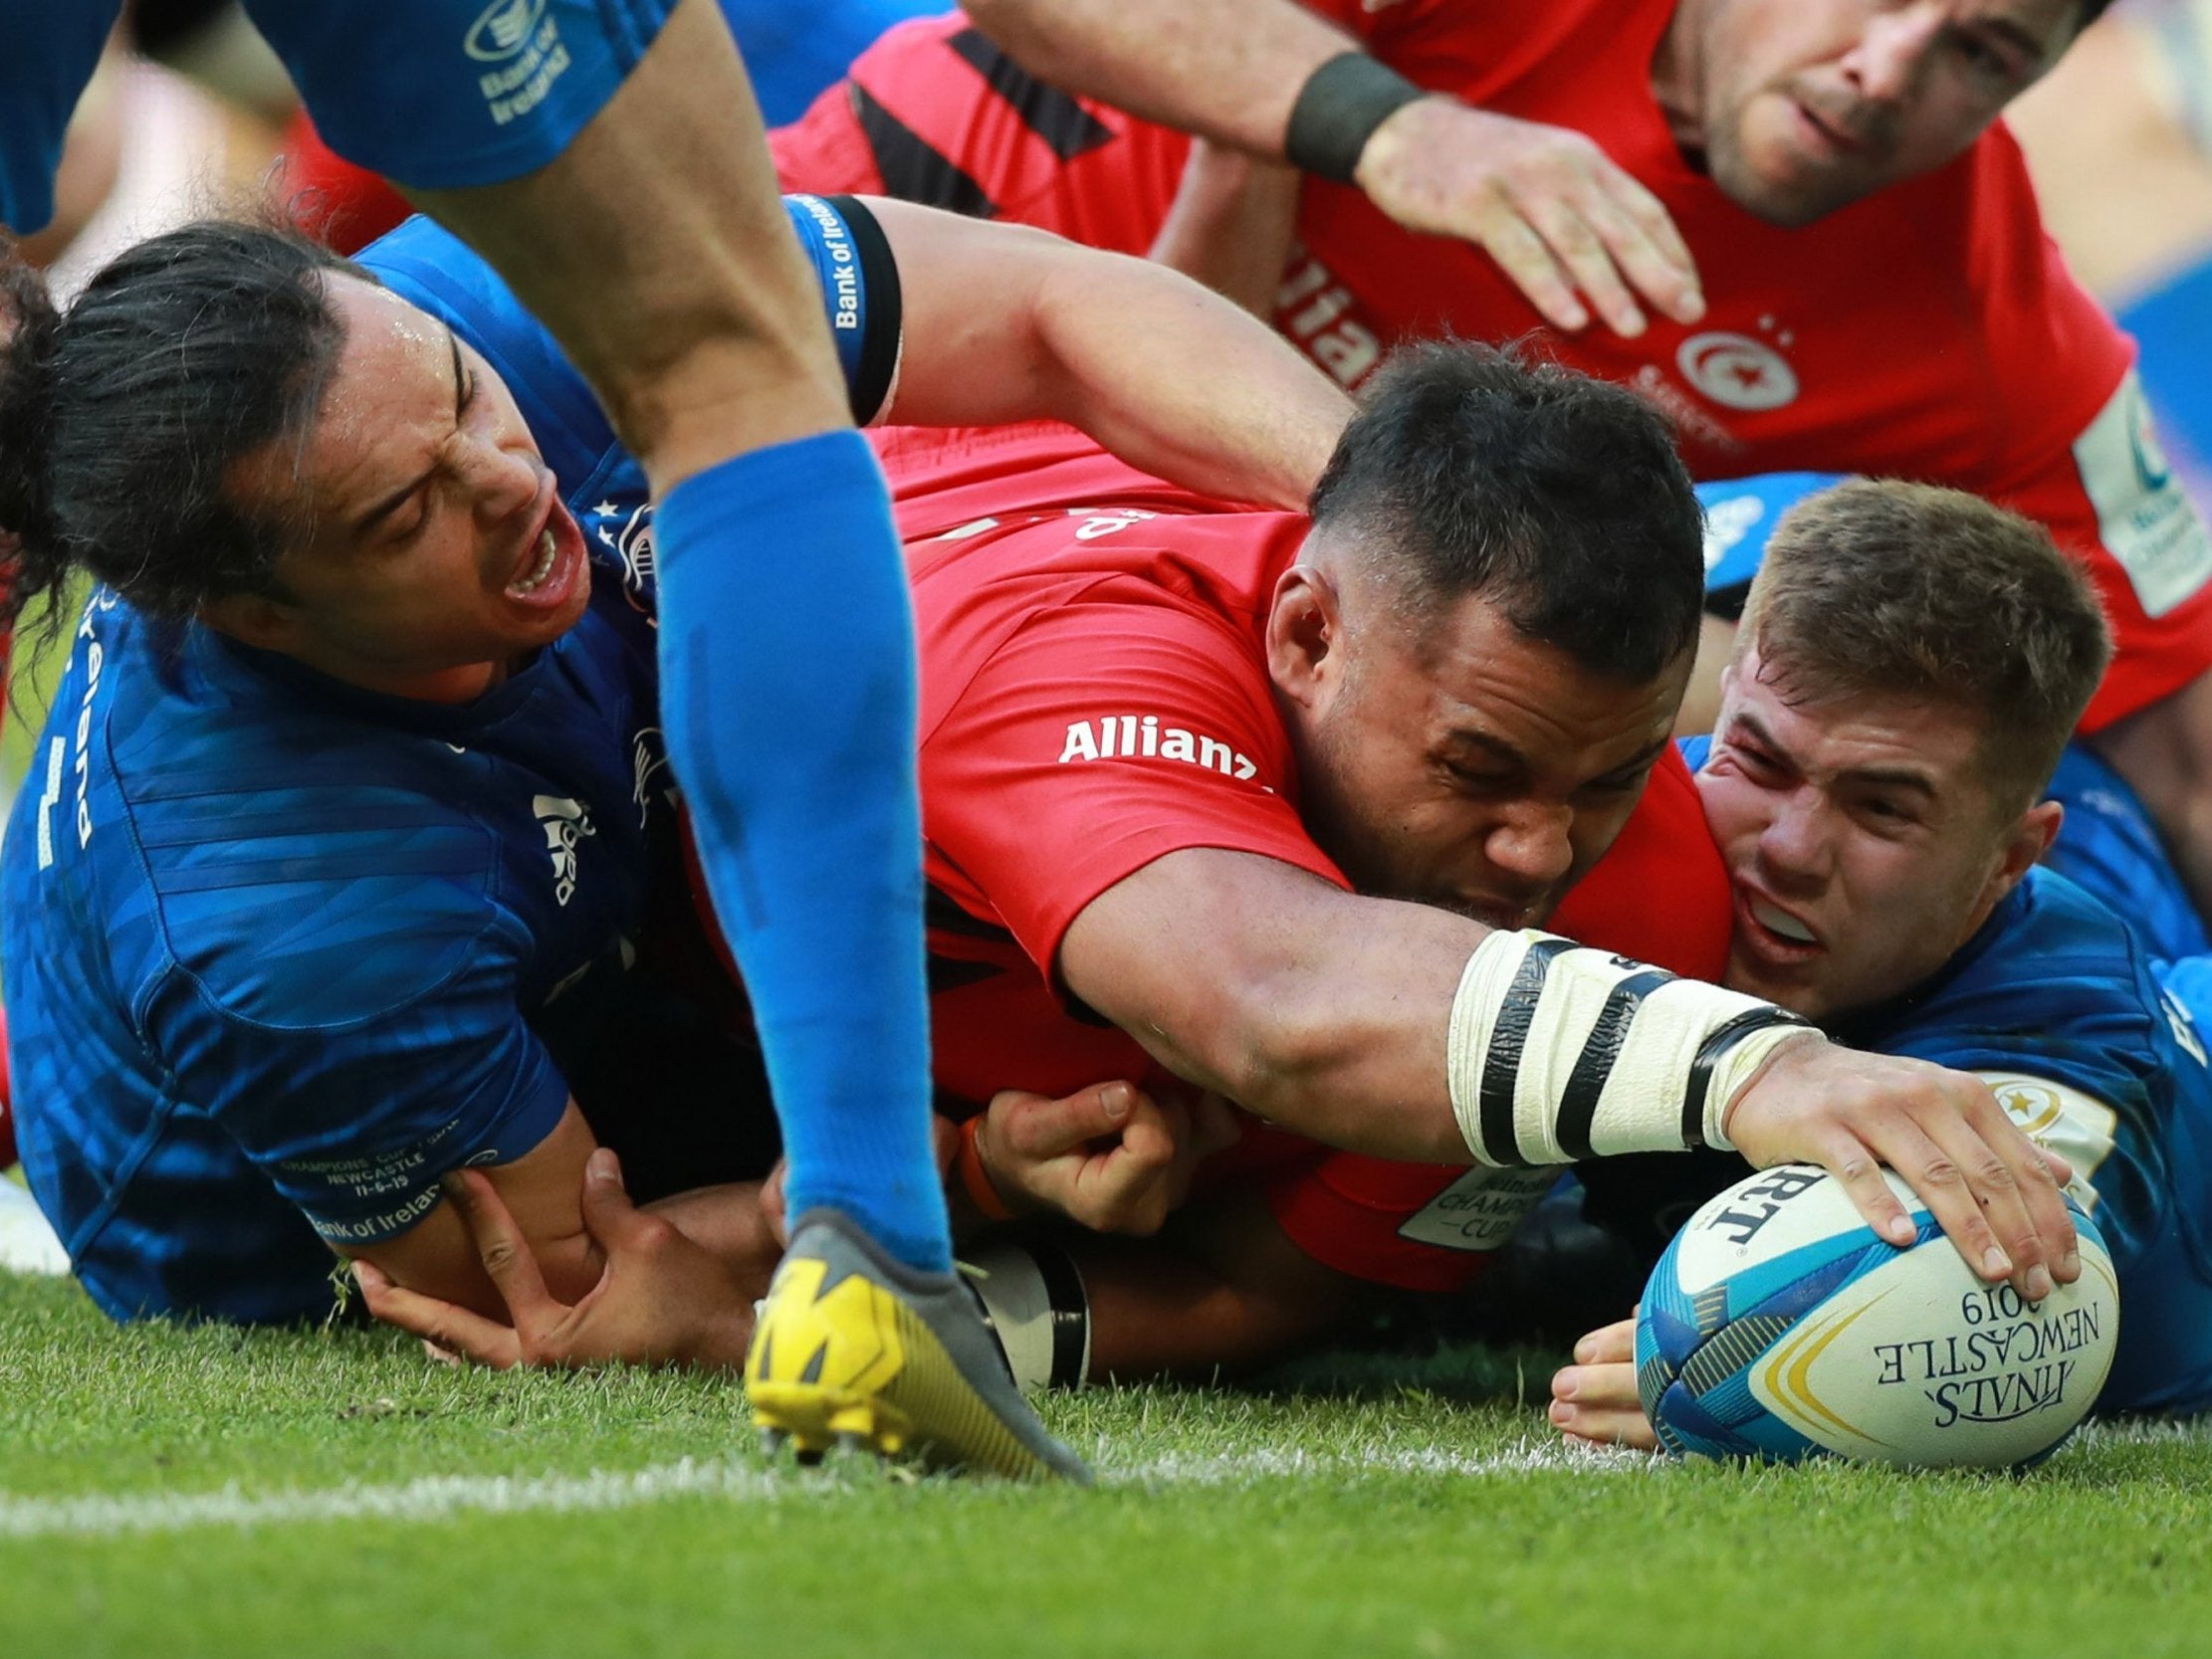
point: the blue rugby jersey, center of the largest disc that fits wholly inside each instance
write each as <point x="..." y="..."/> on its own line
<point x="282" y="952"/>
<point x="2055" y="989"/>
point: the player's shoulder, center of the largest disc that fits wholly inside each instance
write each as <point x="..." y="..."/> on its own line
<point x="2053" y="954"/>
<point x="298" y="867"/>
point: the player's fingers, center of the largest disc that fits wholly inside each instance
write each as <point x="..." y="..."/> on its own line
<point x="501" y="1245"/>
<point x="774" y="1210"/>
<point x="1522" y="255"/>
<point x="2039" y="1176"/>
<point x="2030" y="1232"/>
<point x="1606" y="1387"/>
<point x="1034" y="1127"/>
<point x="1610" y="1430"/>
<point x="455" y="1330"/>
<point x="1610" y="1344"/>
<point x="1667" y="274"/>
<point x="1598" y="1404"/>
<point x="1935" y="1174"/>
<point x="608" y="1215"/>
<point x="1854" y="1163"/>
<point x="1578" y="245"/>
<point x="1152" y="1135"/>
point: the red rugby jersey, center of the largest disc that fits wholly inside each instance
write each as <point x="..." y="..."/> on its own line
<point x="1095" y="696"/>
<point x="1930" y="332"/>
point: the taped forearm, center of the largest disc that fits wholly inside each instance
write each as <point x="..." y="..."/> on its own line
<point x="1559" y="1052"/>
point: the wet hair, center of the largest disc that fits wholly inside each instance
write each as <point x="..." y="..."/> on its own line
<point x="1904" y="591"/>
<point x="121" y="417"/>
<point x="1471" y="469"/>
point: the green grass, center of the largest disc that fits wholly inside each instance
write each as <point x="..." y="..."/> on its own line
<point x="1344" y="1513"/>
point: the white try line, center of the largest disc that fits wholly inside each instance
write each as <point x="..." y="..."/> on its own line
<point x="442" y="1497"/>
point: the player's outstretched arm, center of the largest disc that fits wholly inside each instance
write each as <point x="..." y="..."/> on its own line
<point x="1005" y="323"/>
<point x="1411" y="1032"/>
<point x="1571" y="228"/>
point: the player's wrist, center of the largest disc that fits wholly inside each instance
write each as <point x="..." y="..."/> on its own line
<point x="1557" y="1052"/>
<point x="972" y="1175"/>
<point x="1339" y="110"/>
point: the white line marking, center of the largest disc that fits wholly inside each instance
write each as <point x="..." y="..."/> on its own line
<point x="441" y="1497"/>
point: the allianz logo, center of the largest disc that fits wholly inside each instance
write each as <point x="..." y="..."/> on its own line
<point x="1142" y="736"/>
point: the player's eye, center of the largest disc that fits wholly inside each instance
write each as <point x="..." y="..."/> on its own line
<point x="1473" y="782"/>
<point x="1984" y="60"/>
<point x="1619" y="783"/>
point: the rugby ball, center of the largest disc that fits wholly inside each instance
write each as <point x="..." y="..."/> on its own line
<point x="1778" y="1326"/>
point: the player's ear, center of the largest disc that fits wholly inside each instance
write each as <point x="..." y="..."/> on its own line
<point x="1305" y="636"/>
<point x="2029" y="839"/>
<point x="255" y="619"/>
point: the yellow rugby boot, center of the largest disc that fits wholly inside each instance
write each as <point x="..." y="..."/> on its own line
<point x="854" y="1348"/>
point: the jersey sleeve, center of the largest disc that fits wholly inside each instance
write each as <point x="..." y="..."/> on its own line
<point x="1098" y="738"/>
<point x="2081" y="1050"/>
<point x="2073" y="446"/>
<point x="357" y="1039"/>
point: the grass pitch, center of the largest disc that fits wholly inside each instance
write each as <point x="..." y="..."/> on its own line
<point x="167" y="1492"/>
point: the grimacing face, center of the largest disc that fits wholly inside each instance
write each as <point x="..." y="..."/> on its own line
<point x="438" y="551"/>
<point x="1462" y="765"/>
<point x="1861" y="840"/>
<point x="1801" y="106"/>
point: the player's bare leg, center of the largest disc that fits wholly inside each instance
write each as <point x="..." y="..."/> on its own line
<point x="656" y="250"/>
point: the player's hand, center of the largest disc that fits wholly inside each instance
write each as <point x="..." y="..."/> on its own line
<point x="1565" y="222"/>
<point x="661" y="1299"/>
<point x="1994" y="1192"/>
<point x="1111" y="1157"/>
<point x="1594" y="1399"/>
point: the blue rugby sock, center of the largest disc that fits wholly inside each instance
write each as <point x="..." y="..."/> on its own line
<point x="787" y="694"/>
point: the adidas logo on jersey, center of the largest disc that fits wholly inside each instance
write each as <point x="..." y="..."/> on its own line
<point x="1131" y="737"/>
<point x="566" y="823"/>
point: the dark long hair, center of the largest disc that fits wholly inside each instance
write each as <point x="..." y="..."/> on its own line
<point x="121" y="417"/>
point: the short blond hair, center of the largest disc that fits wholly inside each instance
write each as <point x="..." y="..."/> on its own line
<point x="1880" y="587"/>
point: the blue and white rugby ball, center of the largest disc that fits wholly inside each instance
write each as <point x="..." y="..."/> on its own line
<point x="1779" y="1325"/>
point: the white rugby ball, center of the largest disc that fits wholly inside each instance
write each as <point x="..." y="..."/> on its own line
<point x="1779" y="1325"/>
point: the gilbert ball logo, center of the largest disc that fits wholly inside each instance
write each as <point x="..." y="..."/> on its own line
<point x="1737" y="371"/>
<point x="501" y="29"/>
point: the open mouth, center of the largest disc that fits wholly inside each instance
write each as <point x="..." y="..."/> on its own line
<point x="546" y="566"/>
<point x="1774" y="933"/>
<point x="548" y="551"/>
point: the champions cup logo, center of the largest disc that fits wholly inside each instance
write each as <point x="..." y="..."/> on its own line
<point x="1737" y="371"/>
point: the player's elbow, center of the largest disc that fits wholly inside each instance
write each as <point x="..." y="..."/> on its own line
<point x="1022" y="27"/>
<point x="1278" y="1040"/>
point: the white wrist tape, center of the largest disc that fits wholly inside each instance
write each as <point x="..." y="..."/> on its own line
<point x="1035" y="1304"/>
<point x="1559" y="1052"/>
